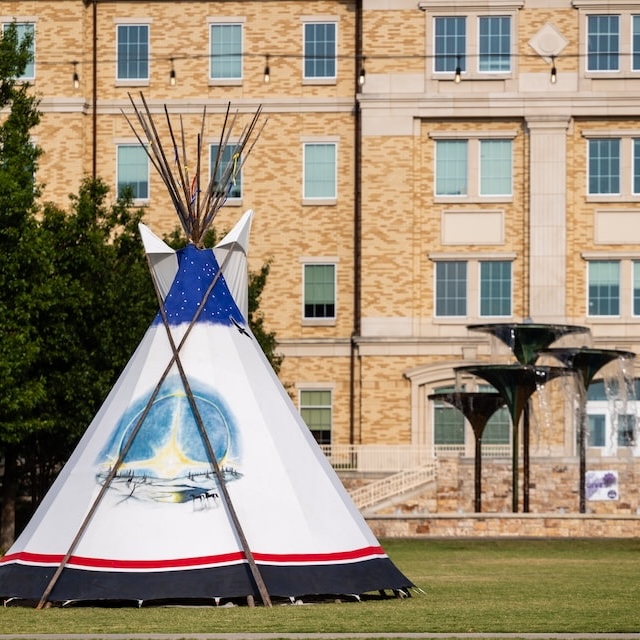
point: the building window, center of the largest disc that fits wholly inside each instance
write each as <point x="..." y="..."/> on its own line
<point x="473" y="288"/>
<point x="603" y="42"/>
<point x="636" y="288"/>
<point x="451" y="167"/>
<point x="320" y="291"/>
<point x="133" y="170"/>
<point x="227" y="170"/>
<point x="226" y="52"/>
<point x="320" y="50"/>
<point x="316" y="409"/>
<point x="610" y="41"/>
<point x="636" y="166"/>
<point x="458" y="162"/>
<point x="450" y="43"/>
<point x="495" y="288"/>
<point x="25" y="30"/>
<point x="453" y="43"/>
<point x="451" y="288"/>
<point x="495" y="44"/>
<point x="320" y="176"/>
<point x="613" y="165"/>
<point x="448" y="422"/>
<point x="635" y="43"/>
<point x="495" y="167"/>
<point x="498" y="428"/>
<point x="604" y="288"/>
<point x="133" y="52"/>
<point x="596" y="425"/>
<point x="612" y="416"/>
<point x="604" y="166"/>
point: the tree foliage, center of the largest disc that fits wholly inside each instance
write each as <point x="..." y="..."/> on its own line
<point x="85" y="309"/>
<point x="21" y="259"/>
<point x="98" y="303"/>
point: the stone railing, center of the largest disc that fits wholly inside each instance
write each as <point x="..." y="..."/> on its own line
<point x="488" y="450"/>
<point x="377" y="458"/>
<point x="393" y="485"/>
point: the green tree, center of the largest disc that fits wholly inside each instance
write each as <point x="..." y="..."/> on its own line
<point x="20" y="264"/>
<point x="88" y="307"/>
<point x="266" y="339"/>
<point x="95" y="306"/>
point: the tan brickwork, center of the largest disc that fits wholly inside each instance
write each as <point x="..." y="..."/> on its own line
<point x="390" y="39"/>
<point x="382" y="364"/>
<point x="530" y="21"/>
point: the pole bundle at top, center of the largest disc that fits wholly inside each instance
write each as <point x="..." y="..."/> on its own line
<point x="196" y="201"/>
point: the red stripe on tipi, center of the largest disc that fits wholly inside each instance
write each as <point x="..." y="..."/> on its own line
<point x="185" y="563"/>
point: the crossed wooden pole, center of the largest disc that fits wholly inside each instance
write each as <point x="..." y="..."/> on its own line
<point x="175" y="359"/>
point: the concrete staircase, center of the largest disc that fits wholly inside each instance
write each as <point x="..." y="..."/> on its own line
<point x="393" y="486"/>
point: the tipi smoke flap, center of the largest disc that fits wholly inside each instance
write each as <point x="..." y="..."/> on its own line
<point x="197" y="479"/>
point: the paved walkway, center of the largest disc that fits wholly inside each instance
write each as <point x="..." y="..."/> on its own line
<point x="320" y="636"/>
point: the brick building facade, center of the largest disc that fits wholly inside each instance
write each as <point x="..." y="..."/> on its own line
<point x="425" y="166"/>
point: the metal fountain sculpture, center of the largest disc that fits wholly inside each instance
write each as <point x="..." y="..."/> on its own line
<point x="585" y="363"/>
<point x="515" y="384"/>
<point x="477" y="408"/>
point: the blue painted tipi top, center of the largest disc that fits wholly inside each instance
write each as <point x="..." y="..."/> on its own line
<point x="196" y="270"/>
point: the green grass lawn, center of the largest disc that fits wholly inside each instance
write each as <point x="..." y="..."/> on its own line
<point x="489" y="586"/>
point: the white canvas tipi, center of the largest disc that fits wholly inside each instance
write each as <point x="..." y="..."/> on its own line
<point x="197" y="479"/>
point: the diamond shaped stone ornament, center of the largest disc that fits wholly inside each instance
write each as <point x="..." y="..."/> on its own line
<point x="548" y="42"/>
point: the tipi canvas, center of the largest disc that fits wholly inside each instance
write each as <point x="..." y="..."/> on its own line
<point x="197" y="479"/>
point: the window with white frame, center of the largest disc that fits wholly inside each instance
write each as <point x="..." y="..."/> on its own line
<point x="320" y="171"/>
<point x="635" y="43"/>
<point x="456" y="298"/>
<point x="636" y="287"/>
<point x="449" y="44"/>
<point x="319" y="291"/>
<point x="495" y="288"/>
<point x="604" y="166"/>
<point x="320" y="50"/>
<point x="494" y="44"/>
<point x="26" y="31"/>
<point x="496" y="167"/>
<point x="451" y="167"/>
<point x="132" y="170"/>
<point x="316" y="411"/>
<point x="476" y="168"/>
<point x="475" y="45"/>
<point x="603" y="278"/>
<point x="226" y="166"/>
<point x="226" y="51"/>
<point x="613" y="164"/>
<point x="610" y="38"/>
<point x="636" y="166"/>
<point x="612" y="417"/>
<point x="451" y="288"/>
<point x="132" y="52"/>
<point x="603" y="42"/>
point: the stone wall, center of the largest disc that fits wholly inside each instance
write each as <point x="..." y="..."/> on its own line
<point x="553" y="486"/>
<point x="493" y="525"/>
<point x="446" y="507"/>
